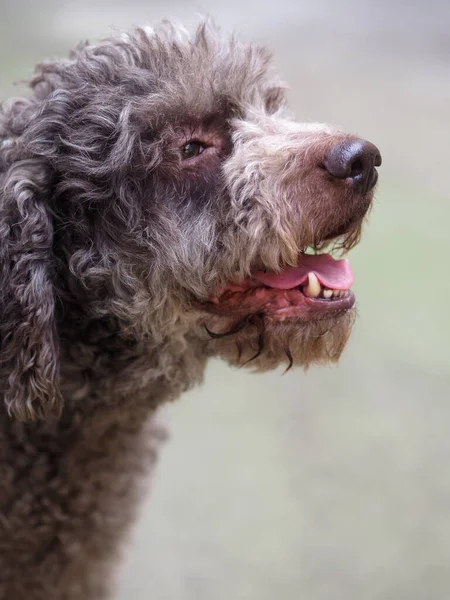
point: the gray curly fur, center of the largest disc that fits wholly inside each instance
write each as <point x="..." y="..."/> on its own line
<point x="109" y="248"/>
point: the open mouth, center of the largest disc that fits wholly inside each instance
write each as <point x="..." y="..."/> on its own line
<point x="318" y="287"/>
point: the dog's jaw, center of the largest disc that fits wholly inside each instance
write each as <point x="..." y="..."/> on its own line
<point x="262" y="343"/>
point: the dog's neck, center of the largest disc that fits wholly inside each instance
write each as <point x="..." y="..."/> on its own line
<point x="103" y="365"/>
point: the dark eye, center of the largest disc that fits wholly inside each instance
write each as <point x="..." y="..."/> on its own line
<point x="192" y="149"/>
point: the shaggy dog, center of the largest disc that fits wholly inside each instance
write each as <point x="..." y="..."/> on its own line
<point x="158" y="207"/>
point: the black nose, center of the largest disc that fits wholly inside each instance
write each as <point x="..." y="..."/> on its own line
<point x="355" y="160"/>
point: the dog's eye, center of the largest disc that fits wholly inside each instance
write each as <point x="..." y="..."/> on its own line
<point x="192" y="149"/>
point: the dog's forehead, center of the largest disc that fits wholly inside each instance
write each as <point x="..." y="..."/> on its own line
<point x="204" y="73"/>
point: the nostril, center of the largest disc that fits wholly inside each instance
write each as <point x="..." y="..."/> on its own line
<point x="356" y="168"/>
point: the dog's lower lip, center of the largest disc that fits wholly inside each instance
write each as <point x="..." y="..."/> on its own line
<point x="318" y="308"/>
<point x="279" y="304"/>
<point x="346" y="301"/>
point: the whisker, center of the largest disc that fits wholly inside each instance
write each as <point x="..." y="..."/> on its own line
<point x="258" y="322"/>
<point x="238" y="327"/>
<point x="260" y="349"/>
<point x="290" y="359"/>
<point x="325" y="331"/>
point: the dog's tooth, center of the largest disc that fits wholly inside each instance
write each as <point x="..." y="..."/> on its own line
<point x="313" y="287"/>
<point x="327" y="294"/>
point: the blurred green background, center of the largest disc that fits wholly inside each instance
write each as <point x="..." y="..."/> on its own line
<point x="335" y="484"/>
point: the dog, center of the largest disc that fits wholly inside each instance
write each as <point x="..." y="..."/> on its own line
<point x="158" y="206"/>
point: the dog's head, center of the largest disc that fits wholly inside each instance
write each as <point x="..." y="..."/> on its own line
<point x="158" y="178"/>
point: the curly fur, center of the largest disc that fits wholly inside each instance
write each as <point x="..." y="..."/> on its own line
<point x="110" y="245"/>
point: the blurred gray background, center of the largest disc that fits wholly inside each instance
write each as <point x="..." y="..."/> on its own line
<point x="334" y="485"/>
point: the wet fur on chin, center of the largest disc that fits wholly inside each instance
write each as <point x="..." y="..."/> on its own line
<point x="264" y="344"/>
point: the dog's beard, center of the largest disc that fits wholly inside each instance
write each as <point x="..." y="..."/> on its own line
<point x="263" y="344"/>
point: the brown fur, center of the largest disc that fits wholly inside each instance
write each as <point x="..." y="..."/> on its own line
<point x="110" y="247"/>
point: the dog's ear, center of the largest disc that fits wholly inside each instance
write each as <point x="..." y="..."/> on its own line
<point x="29" y="356"/>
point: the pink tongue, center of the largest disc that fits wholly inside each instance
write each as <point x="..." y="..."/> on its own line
<point x="333" y="274"/>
